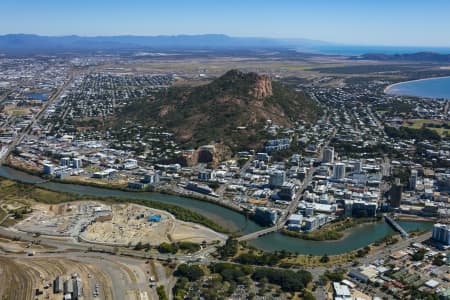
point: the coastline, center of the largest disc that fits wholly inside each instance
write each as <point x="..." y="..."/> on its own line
<point x="386" y="89"/>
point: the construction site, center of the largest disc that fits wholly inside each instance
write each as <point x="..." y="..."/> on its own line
<point x="113" y="224"/>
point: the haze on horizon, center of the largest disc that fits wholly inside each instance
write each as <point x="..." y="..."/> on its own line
<point x="382" y="22"/>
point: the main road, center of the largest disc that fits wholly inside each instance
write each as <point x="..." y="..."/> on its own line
<point x="293" y="206"/>
<point x="34" y="121"/>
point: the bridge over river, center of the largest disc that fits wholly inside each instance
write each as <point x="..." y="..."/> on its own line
<point x="396" y="226"/>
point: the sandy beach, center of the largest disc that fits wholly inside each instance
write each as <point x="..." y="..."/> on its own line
<point x="386" y="89"/>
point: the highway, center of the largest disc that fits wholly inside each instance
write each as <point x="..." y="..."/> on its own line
<point x="67" y="244"/>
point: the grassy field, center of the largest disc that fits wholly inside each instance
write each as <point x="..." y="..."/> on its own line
<point x="419" y="123"/>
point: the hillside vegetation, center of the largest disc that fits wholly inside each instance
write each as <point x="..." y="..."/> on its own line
<point x="212" y="113"/>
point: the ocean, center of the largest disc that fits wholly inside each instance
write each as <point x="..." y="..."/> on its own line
<point x="427" y="88"/>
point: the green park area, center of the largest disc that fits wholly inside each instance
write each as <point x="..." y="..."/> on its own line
<point x="440" y="127"/>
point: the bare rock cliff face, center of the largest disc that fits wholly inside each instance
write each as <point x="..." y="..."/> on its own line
<point x="262" y="88"/>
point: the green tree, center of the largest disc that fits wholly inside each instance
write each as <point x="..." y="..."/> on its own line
<point x="191" y="272"/>
<point x="324" y="259"/>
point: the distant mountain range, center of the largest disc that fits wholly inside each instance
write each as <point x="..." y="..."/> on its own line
<point x="419" y="56"/>
<point x="28" y="43"/>
<point x="24" y="44"/>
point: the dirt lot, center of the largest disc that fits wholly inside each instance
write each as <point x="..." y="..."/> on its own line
<point x="118" y="224"/>
<point x="112" y="277"/>
<point x="130" y="224"/>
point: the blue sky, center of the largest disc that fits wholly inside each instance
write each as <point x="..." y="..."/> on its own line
<point x="362" y="22"/>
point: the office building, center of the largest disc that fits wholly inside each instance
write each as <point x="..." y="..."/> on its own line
<point x="339" y="171"/>
<point x="48" y="169"/>
<point x="277" y="179"/>
<point x="312" y="223"/>
<point x="295" y="219"/>
<point x="151" y="178"/>
<point x="206" y="175"/>
<point x="266" y="216"/>
<point x="287" y="191"/>
<point x="328" y="155"/>
<point x="64" y="162"/>
<point x="277" y="145"/>
<point x="413" y="180"/>
<point x="357" y="166"/>
<point x="396" y="193"/>
<point x="359" y="208"/>
<point x="77" y="163"/>
<point x="441" y="233"/>
<point x="261" y="156"/>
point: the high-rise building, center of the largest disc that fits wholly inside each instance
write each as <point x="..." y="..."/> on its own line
<point x="277" y="179"/>
<point x="359" y="208"/>
<point x="396" y="193"/>
<point x="339" y="171"/>
<point x="357" y="166"/>
<point x="266" y="215"/>
<point x="77" y="163"/>
<point x="64" y="162"/>
<point x="287" y="191"/>
<point x="151" y="178"/>
<point x="441" y="233"/>
<point x="413" y="180"/>
<point x="48" y="169"/>
<point x="328" y="155"/>
<point x="206" y="175"/>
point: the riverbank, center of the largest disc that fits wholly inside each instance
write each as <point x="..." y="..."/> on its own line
<point x="125" y="189"/>
<point x="333" y="231"/>
<point x="233" y="221"/>
<point x="19" y="191"/>
<point x="286" y="259"/>
<point x="415" y="218"/>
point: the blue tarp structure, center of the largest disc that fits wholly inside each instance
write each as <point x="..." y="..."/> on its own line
<point x="154" y="218"/>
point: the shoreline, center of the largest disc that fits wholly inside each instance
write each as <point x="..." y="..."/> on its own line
<point x="386" y="89"/>
<point x="345" y="233"/>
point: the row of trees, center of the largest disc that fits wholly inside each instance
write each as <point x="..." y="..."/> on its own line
<point x="174" y="247"/>
<point x="419" y="134"/>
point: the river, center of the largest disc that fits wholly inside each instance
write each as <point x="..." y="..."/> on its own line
<point x="357" y="237"/>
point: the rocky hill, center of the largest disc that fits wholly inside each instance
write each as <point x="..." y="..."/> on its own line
<point x="230" y="110"/>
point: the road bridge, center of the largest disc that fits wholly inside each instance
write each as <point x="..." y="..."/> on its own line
<point x="396" y="226"/>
